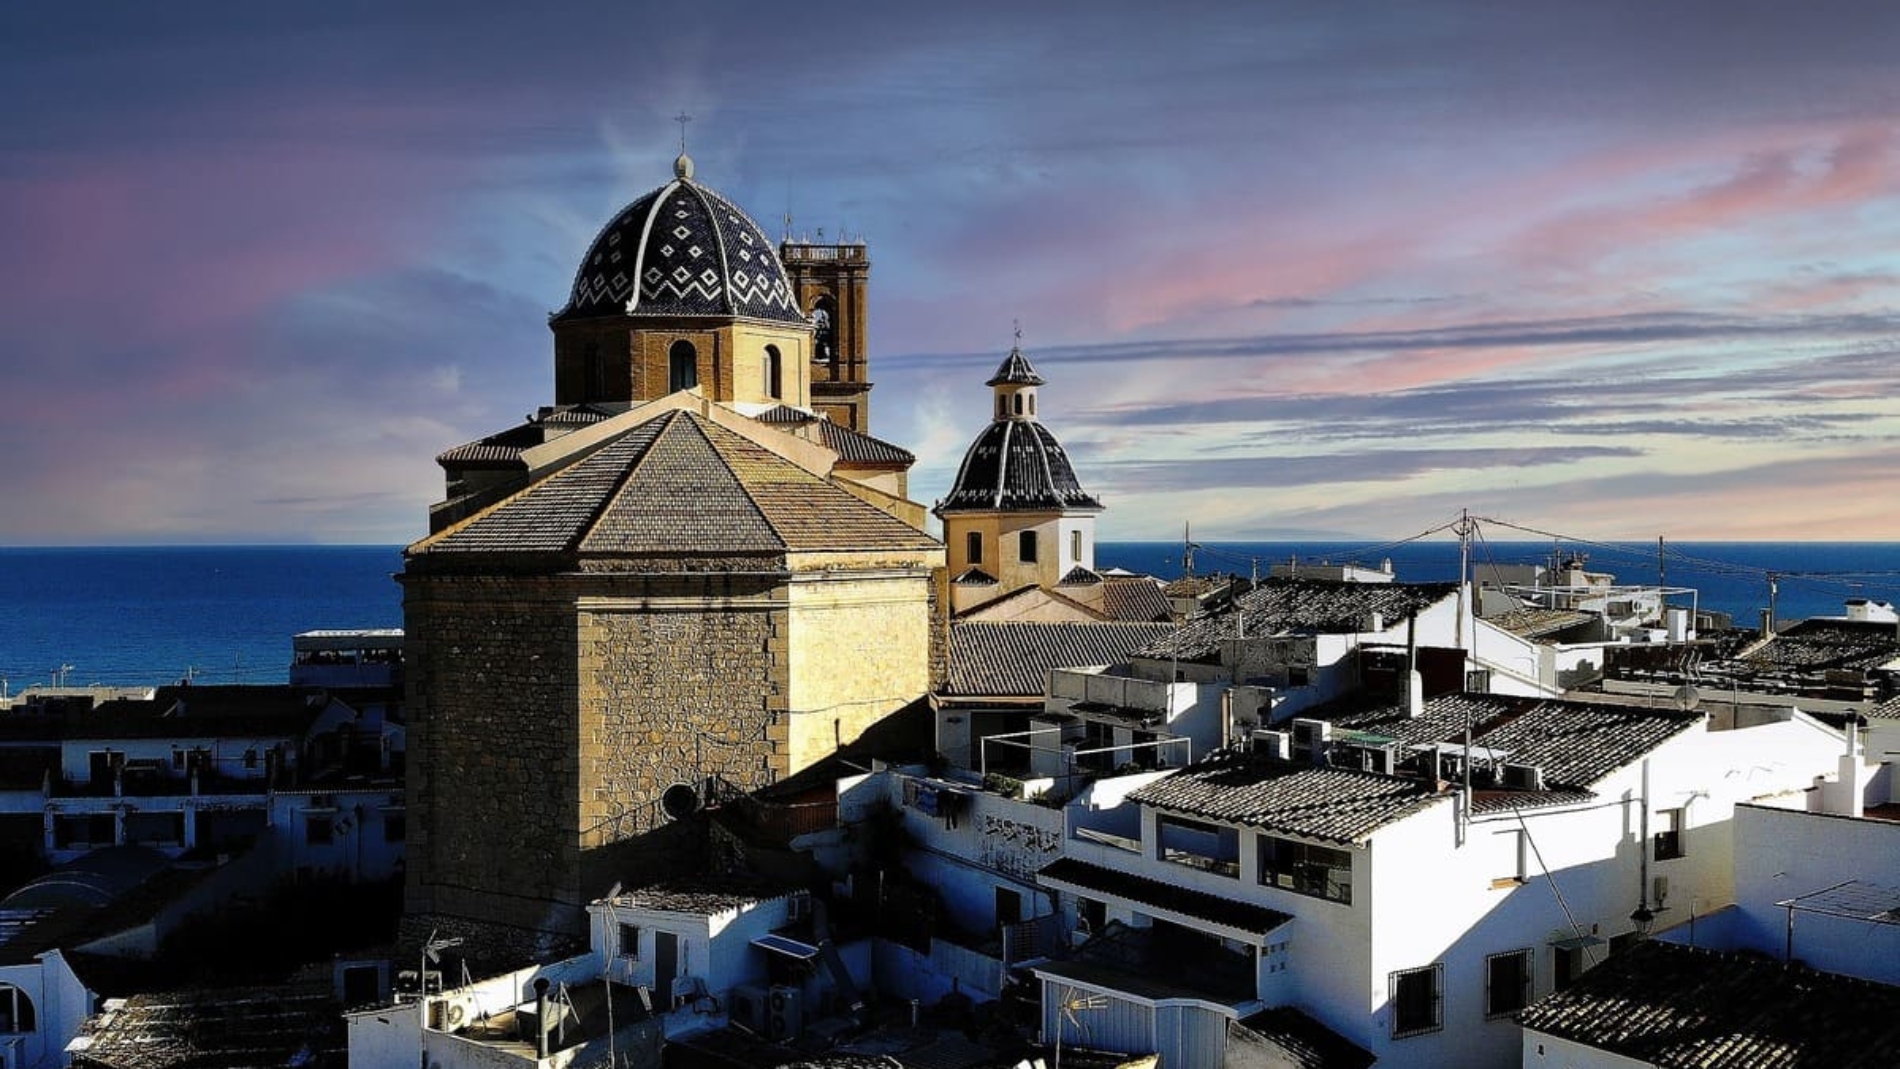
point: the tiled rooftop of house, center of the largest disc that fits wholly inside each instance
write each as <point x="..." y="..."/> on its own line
<point x="1081" y="877"/>
<point x="678" y="484"/>
<point x="1575" y="743"/>
<point x="1013" y="659"/>
<point x="1540" y="623"/>
<point x="1680" y="1008"/>
<point x="1813" y="645"/>
<point x="1337" y="804"/>
<point x="704" y="895"/>
<point x="232" y="1027"/>
<point x="1294" y="606"/>
<point x="189" y="712"/>
<point x="1295" y="1041"/>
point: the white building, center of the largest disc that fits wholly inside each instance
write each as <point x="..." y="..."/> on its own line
<point x="1376" y="893"/>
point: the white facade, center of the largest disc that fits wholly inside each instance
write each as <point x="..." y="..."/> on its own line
<point x="42" y="1006"/>
<point x="1438" y="892"/>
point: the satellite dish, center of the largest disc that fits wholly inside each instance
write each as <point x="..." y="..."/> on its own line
<point x="680" y="801"/>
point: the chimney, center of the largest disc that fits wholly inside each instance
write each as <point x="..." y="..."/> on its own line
<point x="541" y="1018"/>
<point x="1414" y="694"/>
<point x="1853" y="774"/>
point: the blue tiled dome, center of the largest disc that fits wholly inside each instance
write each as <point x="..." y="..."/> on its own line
<point x="682" y="250"/>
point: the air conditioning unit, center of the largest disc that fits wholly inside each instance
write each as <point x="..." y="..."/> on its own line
<point x="749" y="1007"/>
<point x="1275" y="744"/>
<point x="451" y="1014"/>
<point x="1522" y="777"/>
<point x="1310" y="738"/>
<point x="1381" y="759"/>
<point x="785" y="1013"/>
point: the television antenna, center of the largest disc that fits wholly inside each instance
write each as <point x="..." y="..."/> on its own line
<point x="1066" y="1010"/>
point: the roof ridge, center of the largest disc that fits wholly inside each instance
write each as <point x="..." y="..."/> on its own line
<point x="634" y="464"/>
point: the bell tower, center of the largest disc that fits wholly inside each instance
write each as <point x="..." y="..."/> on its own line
<point x="829" y="281"/>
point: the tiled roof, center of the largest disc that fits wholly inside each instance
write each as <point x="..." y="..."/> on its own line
<point x="1336" y="804"/>
<point x="1575" y="743"/>
<point x="1135" y="598"/>
<point x="1820" y="644"/>
<point x="679" y="484"/>
<point x="1887" y="710"/>
<point x="851" y="446"/>
<point x="253" y="1026"/>
<point x="1676" y="1007"/>
<point x="1537" y="623"/>
<point x="1296" y="606"/>
<point x="1012" y="659"/>
<point x="1016" y="465"/>
<point x="975" y="577"/>
<point x="682" y="250"/>
<point x="1079" y="576"/>
<point x="855" y="448"/>
<point x="1085" y="878"/>
<point x="1299" y="1041"/>
<point x="704" y="895"/>
<point x="183" y="713"/>
<point x="1015" y="370"/>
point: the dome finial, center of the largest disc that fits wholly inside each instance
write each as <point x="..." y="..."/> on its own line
<point x="683" y="166"/>
<point x="1018" y="324"/>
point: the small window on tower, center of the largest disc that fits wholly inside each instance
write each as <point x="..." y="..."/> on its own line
<point x="1002" y="406"/>
<point x="1019" y="404"/>
<point x="1026" y="547"/>
<point x="973" y="547"/>
<point x="1032" y="404"/>
<point x="1075" y="546"/>
<point x="773" y="365"/>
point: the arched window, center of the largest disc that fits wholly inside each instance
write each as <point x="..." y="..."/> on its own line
<point x="16" y="1011"/>
<point x="773" y="370"/>
<point x="682" y="366"/>
<point x="1002" y="406"/>
<point x="1026" y="547"/>
<point x="1075" y="545"/>
<point x="973" y="547"/>
<point x="1032" y="404"/>
<point x="824" y="318"/>
<point x="1019" y="404"/>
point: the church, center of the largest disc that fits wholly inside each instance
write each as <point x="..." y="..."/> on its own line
<point x="697" y="565"/>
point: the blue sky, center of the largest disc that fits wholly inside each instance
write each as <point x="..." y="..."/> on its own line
<point x="1615" y="270"/>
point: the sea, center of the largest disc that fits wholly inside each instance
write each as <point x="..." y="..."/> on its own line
<point x="139" y="616"/>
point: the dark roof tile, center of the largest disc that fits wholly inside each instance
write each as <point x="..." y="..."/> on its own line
<point x="1676" y="1007"/>
<point x="1295" y="606"/>
<point x="1336" y="804"/>
<point x="1011" y="659"/>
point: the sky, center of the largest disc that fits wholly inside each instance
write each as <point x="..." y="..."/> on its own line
<point x="1291" y="270"/>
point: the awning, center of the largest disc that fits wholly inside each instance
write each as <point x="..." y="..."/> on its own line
<point x="791" y="948"/>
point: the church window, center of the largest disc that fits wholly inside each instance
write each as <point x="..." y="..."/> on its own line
<point x="682" y="362"/>
<point x="1026" y="547"/>
<point x="973" y="547"/>
<point x="824" y="339"/>
<point x="773" y="366"/>
<point x="1019" y="404"/>
<point x="1002" y="406"/>
<point x="1032" y="404"/>
<point x="16" y="1011"/>
<point x="1075" y="546"/>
